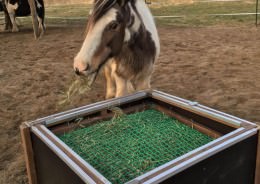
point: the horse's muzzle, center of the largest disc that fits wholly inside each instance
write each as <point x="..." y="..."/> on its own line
<point x="77" y="71"/>
<point x="91" y="76"/>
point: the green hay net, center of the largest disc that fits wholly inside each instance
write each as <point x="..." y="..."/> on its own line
<point x="129" y="146"/>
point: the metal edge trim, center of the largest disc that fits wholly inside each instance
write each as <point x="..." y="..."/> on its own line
<point x="197" y="108"/>
<point x="52" y="119"/>
<point x="235" y="121"/>
<point x="202" y="156"/>
<point x="228" y="115"/>
<point x="86" y="164"/>
<point x="94" y="108"/>
<point x="63" y="156"/>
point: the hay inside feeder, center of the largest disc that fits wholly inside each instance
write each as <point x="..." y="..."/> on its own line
<point x="130" y="145"/>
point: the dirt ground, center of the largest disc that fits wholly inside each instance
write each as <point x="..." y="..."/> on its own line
<point x="216" y="66"/>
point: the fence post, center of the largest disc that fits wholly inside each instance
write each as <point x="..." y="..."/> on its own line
<point x="34" y="19"/>
<point x="256" y="14"/>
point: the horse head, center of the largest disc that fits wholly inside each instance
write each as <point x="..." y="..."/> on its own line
<point x="105" y="35"/>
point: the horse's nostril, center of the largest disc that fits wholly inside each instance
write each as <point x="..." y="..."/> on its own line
<point x="77" y="71"/>
<point x="87" y="67"/>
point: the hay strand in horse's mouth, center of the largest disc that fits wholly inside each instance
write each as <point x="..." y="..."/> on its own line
<point x="79" y="86"/>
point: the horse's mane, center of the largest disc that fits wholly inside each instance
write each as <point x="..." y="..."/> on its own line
<point x="100" y="8"/>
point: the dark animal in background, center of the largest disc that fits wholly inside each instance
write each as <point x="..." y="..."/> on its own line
<point x="121" y="38"/>
<point x="1" y="6"/>
<point x="7" y="23"/>
<point x="21" y="8"/>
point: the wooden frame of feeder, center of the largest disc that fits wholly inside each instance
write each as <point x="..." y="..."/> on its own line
<point x="49" y="160"/>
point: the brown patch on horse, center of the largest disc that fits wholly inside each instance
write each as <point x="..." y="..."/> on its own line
<point x="136" y="54"/>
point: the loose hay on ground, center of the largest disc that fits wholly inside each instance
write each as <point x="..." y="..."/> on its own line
<point x="130" y="145"/>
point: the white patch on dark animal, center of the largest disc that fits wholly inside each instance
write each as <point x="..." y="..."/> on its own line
<point x="11" y="11"/>
<point x="12" y="7"/>
<point x="38" y="4"/>
<point x="94" y="37"/>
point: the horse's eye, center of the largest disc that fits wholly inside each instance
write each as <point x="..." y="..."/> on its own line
<point x="113" y="26"/>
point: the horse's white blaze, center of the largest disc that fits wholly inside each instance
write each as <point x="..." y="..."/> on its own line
<point x="93" y="40"/>
<point x="149" y="23"/>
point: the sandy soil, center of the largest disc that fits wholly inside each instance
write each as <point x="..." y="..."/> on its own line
<point x="215" y="66"/>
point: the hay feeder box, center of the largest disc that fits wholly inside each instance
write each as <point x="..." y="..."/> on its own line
<point x="225" y="151"/>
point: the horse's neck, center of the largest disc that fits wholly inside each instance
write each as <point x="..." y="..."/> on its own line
<point x="140" y="48"/>
<point x="143" y="20"/>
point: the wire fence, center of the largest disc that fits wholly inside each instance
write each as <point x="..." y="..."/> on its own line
<point x="187" y="12"/>
<point x="2" y="21"/>
<point x="201" y="12"/>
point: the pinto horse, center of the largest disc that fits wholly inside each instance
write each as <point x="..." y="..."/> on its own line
<point x="122" y="38"/>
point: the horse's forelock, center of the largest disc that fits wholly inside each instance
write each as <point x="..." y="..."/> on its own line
<point x="100" y="8"/>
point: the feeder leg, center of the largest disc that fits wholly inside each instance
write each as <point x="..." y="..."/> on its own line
<point x="257" y="171"/>
<point x="28" y="152"/>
